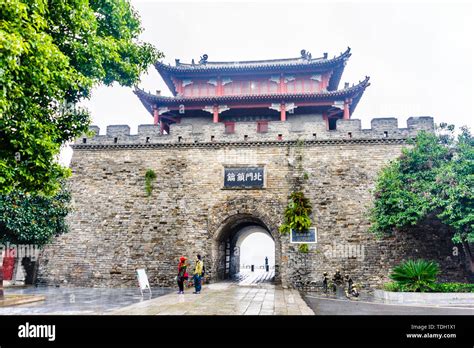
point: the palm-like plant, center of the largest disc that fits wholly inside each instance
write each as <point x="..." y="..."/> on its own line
<point x="417" y="276"/>
<point x="297" y="213"/>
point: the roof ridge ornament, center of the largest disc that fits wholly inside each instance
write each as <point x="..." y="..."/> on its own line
<point x="203" y="59"/>
<point x="305" y="55"/>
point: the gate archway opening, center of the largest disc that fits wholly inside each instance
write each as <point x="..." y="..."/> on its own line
<point x="257" y="257"/>
<point x="230" y="242"/>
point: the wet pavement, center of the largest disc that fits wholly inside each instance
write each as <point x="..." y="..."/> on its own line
<point x="366" y="305"/>
<point x="253" y="278"/>
<point x="249" y="294"/>
<point x="78" y="300"/>
<point x="225" y="298"/>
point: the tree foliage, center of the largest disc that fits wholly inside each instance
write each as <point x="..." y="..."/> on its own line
<point x="434" y="176"/>
<point x="32" y="218"/>
<point x="52" y="53"/>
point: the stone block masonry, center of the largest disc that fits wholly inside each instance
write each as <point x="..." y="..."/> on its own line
<point x="116" y="228"/>
<point x="302" y="128"/>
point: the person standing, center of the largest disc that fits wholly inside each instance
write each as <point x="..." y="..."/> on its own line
<point x="197" y="274"/>
<point x="182" y="274"/>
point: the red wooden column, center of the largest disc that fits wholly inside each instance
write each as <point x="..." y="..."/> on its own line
<point x="281" y="87"/>
<point x="156" y="116"/>
<point x="161" y="126"/>
<point x="326" y="120"/>
<point x="179" y="86"/>
<point x="219" y="87"/>
<point x="324" y="81"/>
<point x="346" y="110"/>
<point x="282" y="112"/>
<point x="215" y="113"/>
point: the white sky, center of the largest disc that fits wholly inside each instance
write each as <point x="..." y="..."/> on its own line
<point x="255" y="247"/>
<point x="418" y="55"/>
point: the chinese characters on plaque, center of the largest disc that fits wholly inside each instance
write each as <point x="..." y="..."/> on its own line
<point x="308" y="236"/>
<point x="245" y="177"/>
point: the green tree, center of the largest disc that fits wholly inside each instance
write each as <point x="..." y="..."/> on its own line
<point x="52" y="54"/>
<point x="435" y="176"/>
<point x="32" y="219"/>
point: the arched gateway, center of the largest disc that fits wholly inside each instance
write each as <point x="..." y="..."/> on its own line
<point x="228" y="239"/>
<point x="230" y="223"/>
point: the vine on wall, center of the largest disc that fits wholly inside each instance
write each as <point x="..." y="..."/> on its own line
<point x="297" y="215"/>
<point x="150" y="176"/>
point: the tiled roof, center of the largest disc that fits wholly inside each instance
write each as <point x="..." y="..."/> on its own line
<point x="271" y="66"/>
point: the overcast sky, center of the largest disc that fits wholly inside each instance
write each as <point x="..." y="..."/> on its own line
<point x="418" y="55"/>
<point x="255" y="248"/>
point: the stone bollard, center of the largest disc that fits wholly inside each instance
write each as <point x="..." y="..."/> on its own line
<point x="340" y="292"/>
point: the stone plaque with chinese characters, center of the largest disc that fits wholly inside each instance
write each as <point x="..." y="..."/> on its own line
<point x="243" y="177"/>
<point x="307" y="236"/>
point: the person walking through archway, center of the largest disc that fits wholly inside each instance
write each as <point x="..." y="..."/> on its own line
<point x="197" y="275"/>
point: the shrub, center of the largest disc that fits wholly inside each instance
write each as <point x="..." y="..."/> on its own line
<point x="297" y="213"/>
<point x="453" y="287"/>
<point x="416" y="276"/>
<point x="392" y="286"/>
<point x="303" y="248"/>
<point x="150" y="176"/>
<point x="437" y="287"/>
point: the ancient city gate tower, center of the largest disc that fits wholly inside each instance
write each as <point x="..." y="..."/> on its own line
<point x="225" y="149"/>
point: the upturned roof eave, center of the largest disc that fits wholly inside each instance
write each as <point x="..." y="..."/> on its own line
<point x="264" y="66"/>
<point x="317" y="65"/>
<point x="149" y="100"/>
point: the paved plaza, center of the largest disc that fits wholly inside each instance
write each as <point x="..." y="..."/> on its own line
<point x="249" y="294"/>
<point x="226" y="298"/>
<point x="77" y="301"/>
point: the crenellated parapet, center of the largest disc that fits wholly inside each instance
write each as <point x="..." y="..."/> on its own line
<point x="246" y="132"/>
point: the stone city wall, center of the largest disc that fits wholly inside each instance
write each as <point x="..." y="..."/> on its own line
<point x="116" y="228"/>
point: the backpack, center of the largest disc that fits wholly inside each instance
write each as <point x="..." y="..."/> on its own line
<point x="182" y="273"/>
<point x="203" y="270"/>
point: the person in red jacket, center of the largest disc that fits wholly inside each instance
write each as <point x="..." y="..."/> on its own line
<point x="182" y="274"/>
